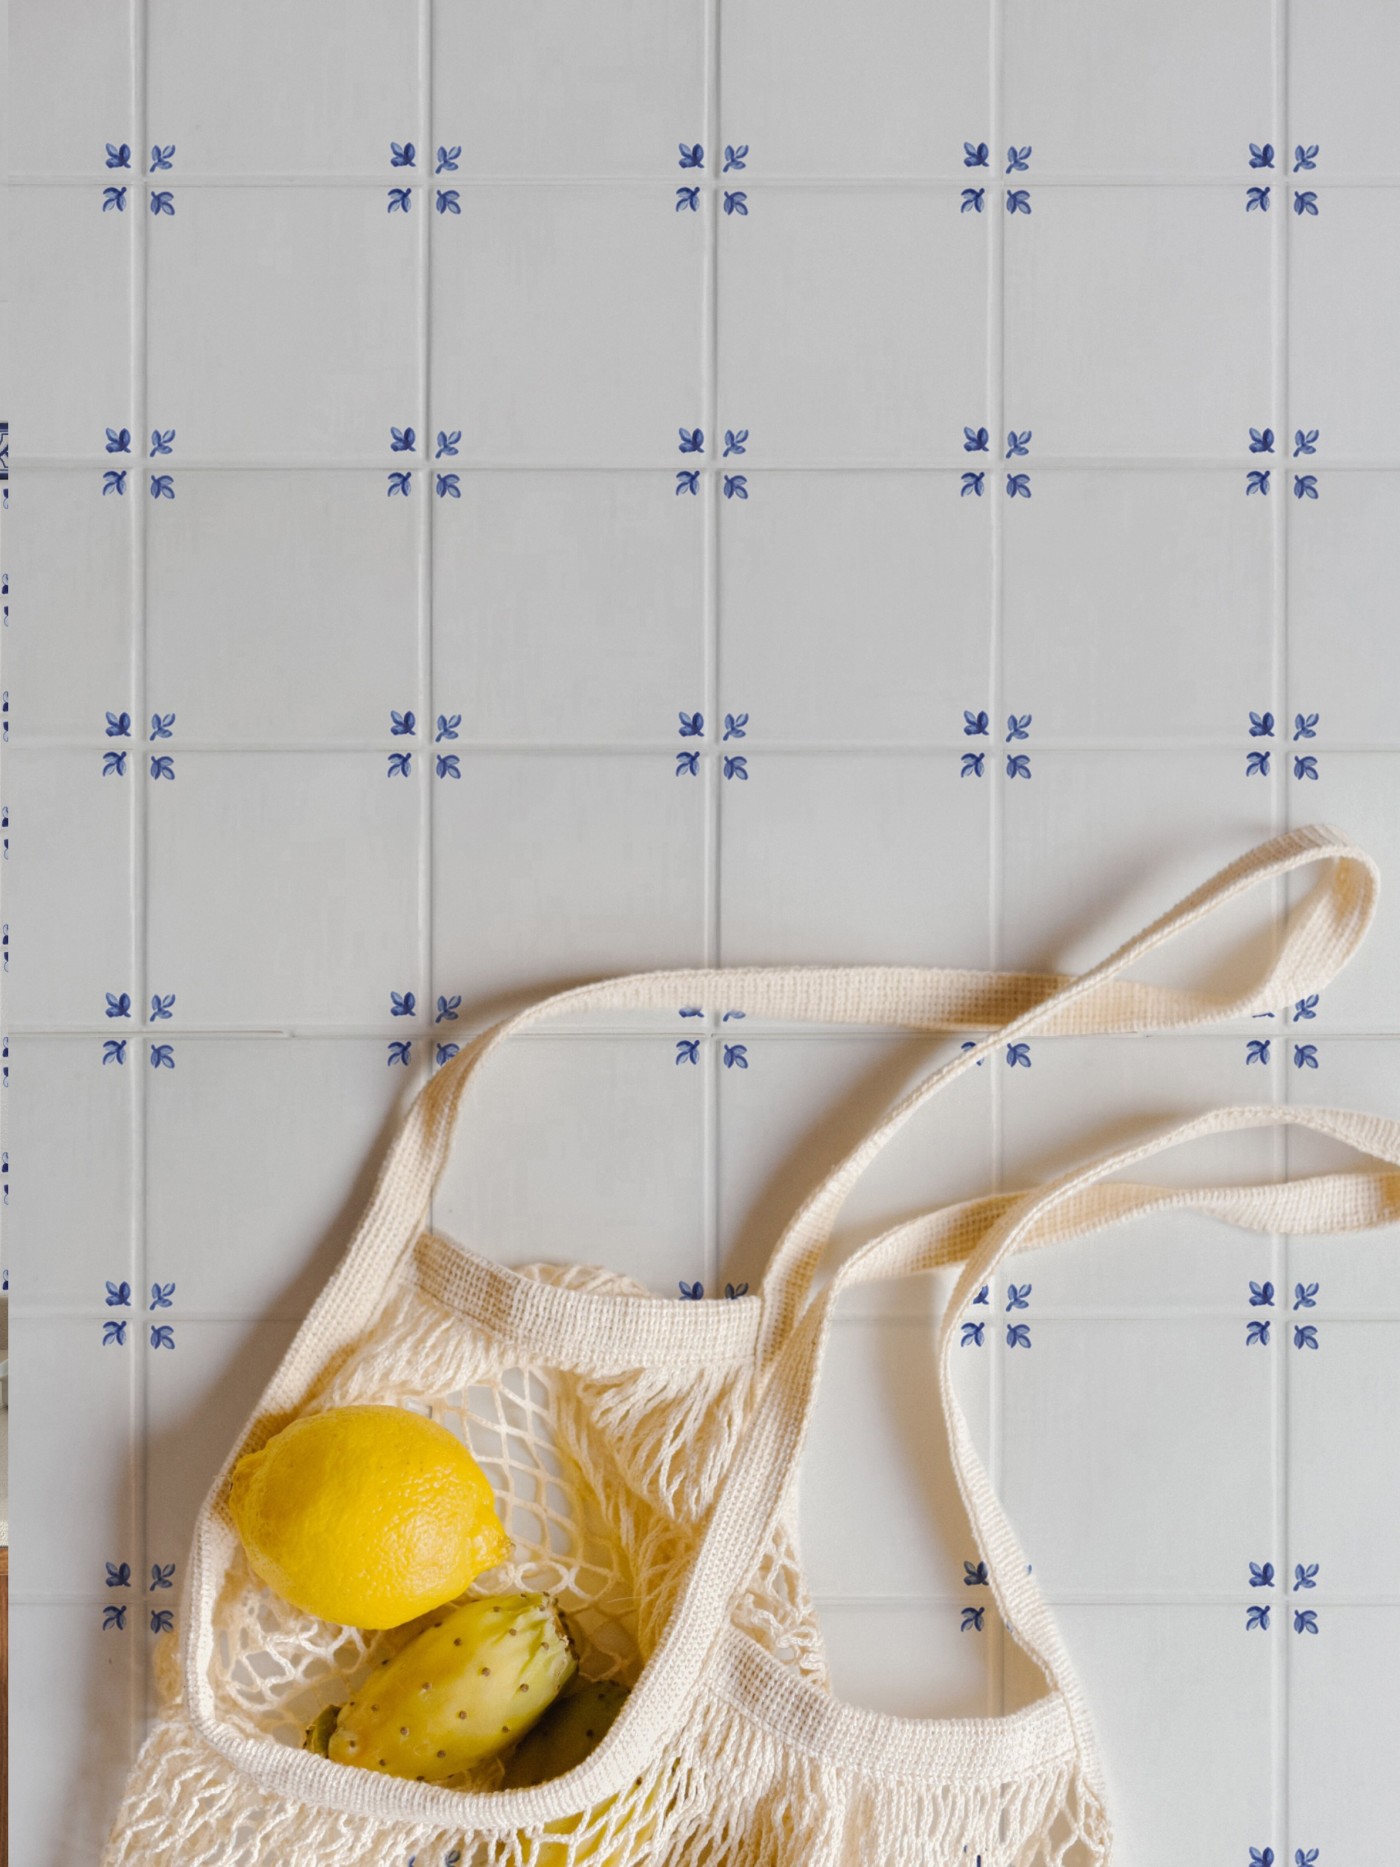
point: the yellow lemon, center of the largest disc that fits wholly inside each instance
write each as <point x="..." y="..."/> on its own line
<point x="366" y="1515"/>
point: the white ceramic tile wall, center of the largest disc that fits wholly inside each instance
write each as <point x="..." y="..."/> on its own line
<point x="512" y="492"/>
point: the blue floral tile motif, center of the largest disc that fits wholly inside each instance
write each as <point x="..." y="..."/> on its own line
<point x="1261" y="1857"/>
<point x="402" y="724"/>
<point x="734" y="1291"/>
<point x="1257" y="481"/>
<point x="162" y="1296"/>
<point x="447" y="159"/>
<point x="972" y="1335"/>
<point x="1018" y="201"/>
<point x="1261" y="155"/>
<point x="736" y="441"/>
<point x="118" y="725"/>
<point x="1306" y="1008"/>
<point x="688" y="1050"/>
<point x="162" y="1007"/>
<point x="162" y="1335"/>
<point x="114" y="1050"/>
<point x="984" y="1295"/>
<point x="162" y="156"/>
<point x="1256" y="764"/>
<point x="1018" y="161"/>
<point x="1305" y="1335"/>
<point x="114" y="199"/>
<point x="162" y="202"/>
<point x="448" y="765"/>
<point x="1018" y="765"/>
<point x="119" y="440"/>
<point x="688" y="764"/>
<point x="162" y="486"/>
<point x="447" y="725"/>
<point x="402" y="440"/>
<point x="1261" y="725"/>
<point x="399" y="1052"/>
<point x="113" y="481"/>
<point x="692" y="440"/>
<point x="162" y="766"/>
<point x="448" y="1009"/>
<point x="736" y="202"/>
<point x="1018" y="445"/>
<point x="119" y="1004"/>
<point x="734" y="726"/>
<point x="162" y="441"/>
<point x="1305" y="1621"/>
<point x="975" y="725"/>
<point x="1305" y="1296"/>
<point x="1018" y="1296"/>
<point x="400" y="201"/>
<point x="1305" y="486"/>
<point x="1018" y="486"/>
<point x="1018" y="1335"/>
<point x="1305" y="1575"/>
<point x="1018" y="726"/>
<point x="736" y="486"/>
<point x="161" y="725"/>
<point x="402" y="155"/>
<point x="448" y="201"/>
<point x="400" y="765"/>
<point x="974" y="483"/>
<point x="692" y="725"/>
<point x="736" y="766"/>
<point x="1257" y="1050"/>
<point x="114" y="1617"/>
<point x="1258" y="1617"/>
<point x="973" y="200"/>
<point x="692" y="155"/>
<point x="1305" y="1859"/>
<point x="736" y="1056"/>
<point x="972" y="1619"/>
<point x="691" y="1293"/>
<point x="1261" y="1575"/>
<point x="1305" y="1057"/>
<point x="1256" y="1334"/>
<point x="975" y="1575"/>
<point x="162" y="1056"/>
<point x="1261" y="1296"/>
<point x="1304" y="157"/>
<point x="736" y="156"/>
<point x="1305" y="201"/>
<point x="1305" y="442"/>
<point x="976" y="441"/>
<point x="403" y="1004"/>
<point x="1256" y="198"/>
<point x="449" y="486"/>
<point x="114" y="1334"/>
<point x="119" y="1575"/>
<point x="119" y="155"/>
<point x="444" y="1053"/>
<point x="688" y="482"/>
<point x="1018" y="1056"/>
<point x="973" y="765"/>
<point x="400" y="484"/>
<point x="118" y="1295"/>
<point x="162" y="1620"/>
<point x="1261" y="440"/>
<point x="687" y="198"/>
<point x="976" y="156"/>
<point x="448" y="443"/>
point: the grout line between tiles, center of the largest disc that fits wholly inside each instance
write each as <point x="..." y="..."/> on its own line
<point x="930" y="183"/>
<point x="929" y="749"/>
<point x="951" y="465"/>
<point x="426" y="614"/>
<point x="712" y="938"/>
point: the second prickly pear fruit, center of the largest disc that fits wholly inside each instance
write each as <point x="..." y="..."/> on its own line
<point x="575" y="1724"/>
<point x="461" y="1691"/>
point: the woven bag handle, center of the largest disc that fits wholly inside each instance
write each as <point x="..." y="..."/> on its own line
<point x="1319" y="938"/>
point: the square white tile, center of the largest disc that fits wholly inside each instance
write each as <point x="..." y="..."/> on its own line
<point x="283" y="606"/>
<point x="1066" y="906"/>
<point x="1357" y="1270"/>
<point x="260" y="1167"/>
<point x="262" y="909"/>
<point x="583" y="1150"/>
<point x="1343" y="1511"/>
<point x="801" y="1103"/>
<point x="86" y="1677"/>
<point x="910" y="1659"/>
<point x="1139" y="604"/>
<point x="68" y="955"/>
<point x="69" y="1233"/>
<point x="852" y="324"/>
<point x="541" y="90"/>
<point x="568" y="606"/>
<point x="874" y="859"/>
<point x="854" y="607"/>
<point x="322" y="89"/>
<point x="1343" y="565"/>
<point x="1357" y="791"/>
<point x="72" y="1497"/>
<point x="1343" y="1726"/>
<point x="69" y="88"/>
<point x="892" y="90"/>
<point x="551" y="871"/>
<point x="1344" y="299"/>
<point x="199" y="1396"/>
<point x="309" y="299"/>
<point x="879" y="1513"/>
<point x="76" y="343"/>
<point x="1180" y="1696"/>
<point x="1136" y="1454"/>
<point x="68" y="645"/>
<point x="1341" y="86"/>
<point x="589" y="301"/>
<point x="1161" y="355"/>
<point x="1096" y="89"/>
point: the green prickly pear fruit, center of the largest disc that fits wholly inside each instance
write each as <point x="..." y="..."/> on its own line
<point x="573" y="1726"/>
<point x="318" y="1735"/>
<point x="461" y="1691"/>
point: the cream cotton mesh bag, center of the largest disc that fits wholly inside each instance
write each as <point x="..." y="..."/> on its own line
<point x="641" y="1452"/>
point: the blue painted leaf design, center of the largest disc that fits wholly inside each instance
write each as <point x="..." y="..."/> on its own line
<point x="1305" y="486"/>
<point x="692" y="156"/>
<point x="1018" y="1335"/>
<point x="973" y="483"/>
<point x="399" y="1051"/>
<point x="1261" y="155"/>
<point x="400" y="201"/>
<point x="448" y="201"/>
<point x="1258" y="1616"/>
<point x="973" y="764"/>
<point x="1256" y="198"/>
<point x="736" y="203"/>
<point x="1018" y="160"/>
<point x="972" y="1619"/>
<point x="736" y="766"/>
<point x="1305" y="442"/>
<point x="735" y="157"/>
<point x="1305" y="766"/>
<point x="1306" y="1007"/>
<point x="162" y="202"/>
<point x="688" y="483"/>
<point x="975" y="725"/>
<point x="113" y="481"/>
<point x="691" y="1293"/>
<point x="1018" y="765"/>
<point x="688" y="1050"/>
<point x="448" y="1008"/>
<point x="1256" y="764"/>
<point x="692" y="725"/>
<point x="447" y="159"/>
<point x="402" y="155"/>
<point x="736" y="1057"/>
<point x="1257" y="1050"/>
<point x="1305" y="1296"/>
<point x="119" y="155"/>
<point x="1305" y="1335"/>
<point x="736" y="486"/>
<point x="1018" y="486"/>
<point x="119" y="440"/>
<point x="1261" y="1575"/>
<point x="1261" y="440"/>
<point x="403" y="1004"/>
<point x="118" y="1295"/>
<point x="1261" y="725"/>
<point x="735" y="441"/>
<point x="1305" y="1620"/>
<point x="688" y="198"/>
<point x="449" y="486"/>
<point x="402" y="440"/>
<point x="1260" y="1295"/>
<point x="688" y="763"/>
<point x="162" y="1335"/>
<point x="119" y="1575"/>
<point x="1257" y="481"/>
<point x="1018" y="201"/>
<point x="1304" y="157"/>
<point x="972" y="200"/>
<point x="448" y="765"/>
<point x="976" y="156"/>
<point x="1304" y="201"/>
<point x="734" y="725"/>
<point x="1305" y="1575"/>
<point x="447" y="444"/>
<point x="1256" y="1334"/>
<point x="1305" y="1057"/>
<point x="692" y="440"/>
<point x="1018" y="445"/>
<point x="162" y="157"/>
<point x="401" y="723"/>
<point x="972" y="1334"/>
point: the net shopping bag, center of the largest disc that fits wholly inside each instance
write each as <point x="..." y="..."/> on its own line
<point x="607" y="1420"/>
